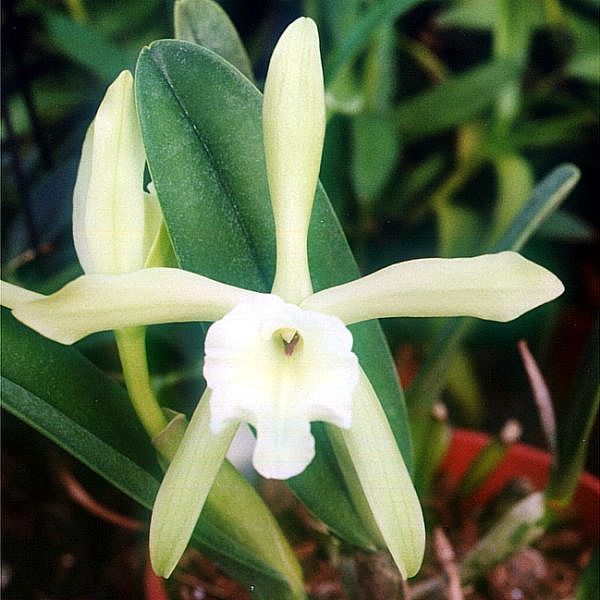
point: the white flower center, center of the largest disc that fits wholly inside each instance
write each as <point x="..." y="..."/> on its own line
<point x="278" y="367"/>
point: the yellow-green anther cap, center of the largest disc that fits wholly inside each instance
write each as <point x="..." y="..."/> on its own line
<point x="108" y="199"/>
<point x="294" y="126"/>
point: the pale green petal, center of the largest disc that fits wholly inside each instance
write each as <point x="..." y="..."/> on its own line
<point x="294" y="126"/>
<point x="12" y="296"/>
<point x="158" y="248"/>
<point x="498" y="287"/>
<point x="93" y="303"/>
<point x="385" y="480"/>
<point x="254" y="378"/>
<point x="108" y="200"/>
<point x="153" y="220"/>
<point x="184" y="489"/>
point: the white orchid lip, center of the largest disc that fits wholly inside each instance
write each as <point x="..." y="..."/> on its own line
<point x="278" y="367"/>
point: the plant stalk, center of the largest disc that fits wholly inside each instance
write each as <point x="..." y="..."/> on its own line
<point x="131" y="342"/>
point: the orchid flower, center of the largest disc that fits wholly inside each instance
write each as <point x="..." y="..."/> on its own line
<point x="282" y="360"/>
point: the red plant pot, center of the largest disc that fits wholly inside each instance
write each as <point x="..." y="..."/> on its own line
<point x="520" y="461"/>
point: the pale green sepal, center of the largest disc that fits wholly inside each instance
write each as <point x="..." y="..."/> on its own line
<point x="168" y="440"/>
<point x="352" y="481"/>
<point x="293" y="126"/>
<point x="498" y="287"/>
<point x="108" y="201"/>
<point x="94" y="303"/>
<point x="385" y="480"/>
<point x="12" y="295"/>
<point x="230" y="503"/>
<point x="185" y="487"/>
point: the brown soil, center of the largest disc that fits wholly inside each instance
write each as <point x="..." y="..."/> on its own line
<point x="55" y="549"/>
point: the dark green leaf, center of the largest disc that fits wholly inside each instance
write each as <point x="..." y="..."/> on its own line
<point x="380" y="71"/>
<point x="378" y="13"/>
<point x="204" y="147"/>
<point x="484" y="14"/>
<point x="459" y="230"/>
<point x="575" y="424"/>
<point x="204" y="22"/>
<point x="512" y="32"/>
<point x="86" y="46"/>
<point x="585" y="63"/>
<point x="470" y="14"/>
<point x="547" y="196"/>
<point x="375" y="150"/>
<point x="554" y="131"/>
<point x="515" y="182"/>
<point x="567" y="227"/>
<point x="455" y="101"/>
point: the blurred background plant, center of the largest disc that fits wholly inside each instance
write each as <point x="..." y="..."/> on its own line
<point x="442" y="116"/>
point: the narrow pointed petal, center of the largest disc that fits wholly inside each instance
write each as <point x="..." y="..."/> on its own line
<point x="294" y="126"/>
<point x="385" y="480"/>
<point x="153" y="220"/>
<point x="108" y="200"/>
<point x="278" y="386"/>
<point x="184" y="489"/>
<point x="12" y="295"/>
<point x="498" y="287"/>
<point x="93" y="303"/>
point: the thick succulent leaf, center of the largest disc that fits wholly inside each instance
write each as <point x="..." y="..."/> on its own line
<point x="204" y="22"/>
<point x="206" y="157"/>
<point x="57" y="391"/>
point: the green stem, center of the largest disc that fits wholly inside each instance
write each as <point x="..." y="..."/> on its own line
<point x="131" y="342"/>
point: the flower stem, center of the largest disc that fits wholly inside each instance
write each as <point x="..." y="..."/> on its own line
<point x="131" y="342"/>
